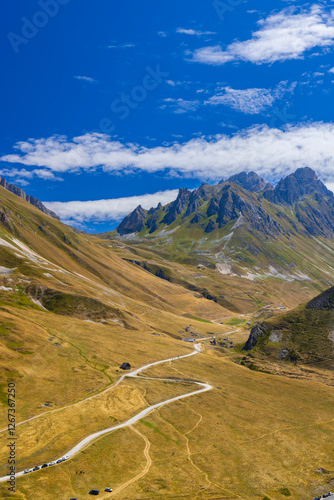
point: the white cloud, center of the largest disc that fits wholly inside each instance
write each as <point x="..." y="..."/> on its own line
<point x="107" y="210"/>
<point x="194" y="32"/>
<point x="121" y="46"/>
<point x="282" y="36"/>
<point x="86" y="79"/>
<point x="251" y="101"/>
<point x="270" y="152"/>
<point x="331" y="70"/>
<point x="180" y="106"/>
<point x="330" y="186"/>
<point x="28" y="174"/>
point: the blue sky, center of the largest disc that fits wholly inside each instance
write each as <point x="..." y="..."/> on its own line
<point x="109" y="104"/>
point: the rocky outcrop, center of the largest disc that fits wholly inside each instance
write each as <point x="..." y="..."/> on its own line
<point x="213" y="207"/>
<point x="232" y="205"/>
<point x="133" y="223"/>
<point x="323" y="301"/>
<point x="30" y="199"/>
<point x="258" y="330"/>
<point x="251" y="182"/>
<point x="211" y="226"/>
<point x="177" y="206"/>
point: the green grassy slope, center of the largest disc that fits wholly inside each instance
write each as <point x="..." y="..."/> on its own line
<point x="304" y="335"/>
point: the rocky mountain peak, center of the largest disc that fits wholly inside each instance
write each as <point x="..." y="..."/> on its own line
<point x="133" y="223"/>
<point x="177" y="206"/>
<point x="302" y="183"/>
<point x="250" y="181"/>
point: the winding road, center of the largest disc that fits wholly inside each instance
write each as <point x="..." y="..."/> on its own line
<point x="89" y="439"/>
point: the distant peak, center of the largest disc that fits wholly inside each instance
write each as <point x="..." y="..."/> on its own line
<point x="250" y="181"/>
<point x="305" y="173"/>
<point x="296" y="186"/>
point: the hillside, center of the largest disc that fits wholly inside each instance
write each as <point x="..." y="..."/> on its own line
<point x="301" y="336"/>
<point x="75" y="307"/>
<point x="243" y="239"/>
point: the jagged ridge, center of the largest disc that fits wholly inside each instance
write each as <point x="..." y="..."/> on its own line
<point x="30" y="199"/>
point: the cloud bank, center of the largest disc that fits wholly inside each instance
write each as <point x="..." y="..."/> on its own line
<point x="81" y="212"/>
<point x="271" y="152"/>
<point x="283" y="36"/>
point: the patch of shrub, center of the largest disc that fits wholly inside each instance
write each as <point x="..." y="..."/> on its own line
<point x="285" y="492"/>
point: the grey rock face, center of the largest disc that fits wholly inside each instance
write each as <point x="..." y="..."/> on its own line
<point x="178" y="206"/>
<point x="211" y="226"/>
<point x="251" y="181"/>
<point x="257" y="331"/>
<point x="323" y="301"/>
<point x="133" y="223"/>
<point x="302" y="183"/>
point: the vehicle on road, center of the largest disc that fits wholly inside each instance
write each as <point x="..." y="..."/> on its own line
<point x="52" y="463"/>
<point x="27" y="471"/>
<point x="94" y="492"/>
<point x="44" y="465"/>
<point x="36" y="468"/>
<point x="108" y="490"/>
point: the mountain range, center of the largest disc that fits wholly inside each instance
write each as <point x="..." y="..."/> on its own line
<point x="213" y="207"/>
<point x="75" y="307"/>
<point x="244" y="227"/>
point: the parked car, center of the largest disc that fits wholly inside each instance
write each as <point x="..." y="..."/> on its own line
<point x="36" y="468"/>
<point x="44" y="465"/>
<point x="27" y="471"/>
<point x="94" y="492"/>
<point x="108" y="490"/>
<point x="59" y="461"/>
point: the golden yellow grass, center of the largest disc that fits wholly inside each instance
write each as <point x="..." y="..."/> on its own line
<point x="249" y="437"/>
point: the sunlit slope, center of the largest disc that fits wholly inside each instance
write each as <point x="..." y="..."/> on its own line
<point x="69" y="304"/>
<point x="44" y="251"/>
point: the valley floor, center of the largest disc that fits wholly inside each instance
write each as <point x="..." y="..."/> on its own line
<point x="252" y="436"/>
